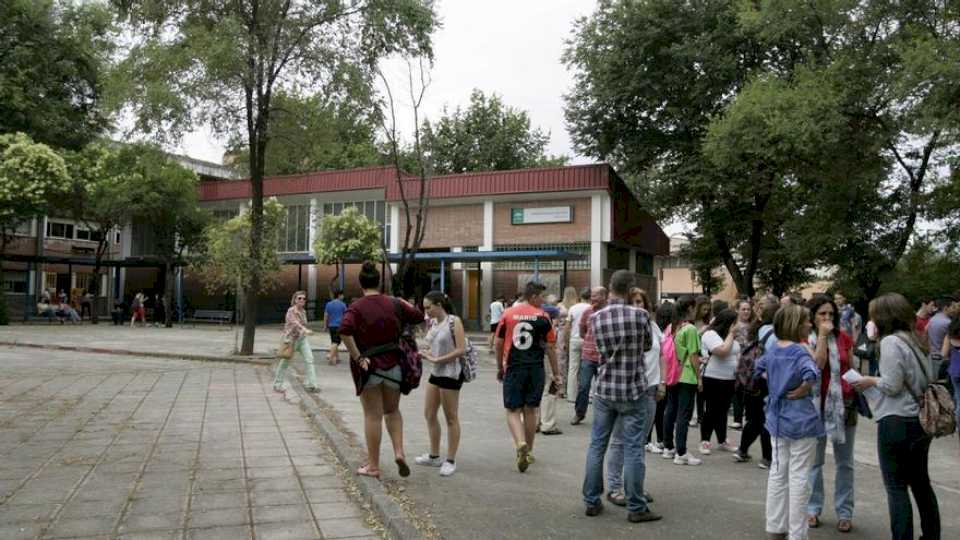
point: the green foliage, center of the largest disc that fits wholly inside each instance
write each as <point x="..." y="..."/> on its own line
<point x="925" y="270"/>
<point x="225" y="261"/>
<point x="32" y="177"/>
<point x="351" y="236"/>
<point x="487" y="136"/>
<point x="53" y="56"/>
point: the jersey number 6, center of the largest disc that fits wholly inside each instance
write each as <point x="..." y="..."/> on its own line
<point x="522" y="336"/>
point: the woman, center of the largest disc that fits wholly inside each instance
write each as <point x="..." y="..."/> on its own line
<point x="753" y="401"/>
<point x="792" y="421"/>
<point x="570" y="299"/>
<point x="138" y="309"/>
<point x="902" y="445"/>
<point x="743" y="326"/>
<point x="295" y="331"/>
<point x="718" y="378"/>
<point x="663" y="319"/>
<point x="371" y="329"/>
<point x="447" y="342"/>
<point x="834" y="398"/>
<point x="701" y="319"/>
<point x="681" y="396"/>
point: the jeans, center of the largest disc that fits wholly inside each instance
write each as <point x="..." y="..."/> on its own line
<point x="717" y="393"/>
<point x="903" y="449"/>
<point x="787" y="488"/>
<point x="657" y="425"/>
<point x="615" y="453"/>
<point x="588" y="370"/>
<point x="956" y="396"/>
<point x="633" y="416"/>
<point x="755" y="427"/>
<point x="843" y="484"/>
<point x="676" y="419"/>
<point x="573" y="368"/>
<point x="302" y="346"/>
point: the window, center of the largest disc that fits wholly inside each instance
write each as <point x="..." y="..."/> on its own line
<point x="295" y="233"/>
<point x="83" y="281"/>
<point x="24" y="228"/>
<point x="59" y="230"/>
<point x="374" y="210"/>
<point x="86" y="234"/>
<point x="223" y="215"/>
<point x="581" y="248"/>
<point x="50" y="281"/>
<point x="15" y="282"/>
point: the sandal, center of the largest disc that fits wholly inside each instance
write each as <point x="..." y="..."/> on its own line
<point x="367" y="471"/>
<point x="844" y="525"/>
<point x="813" y="521"/>
<point x="617" y="498"/>
<point x="404" y="468"/>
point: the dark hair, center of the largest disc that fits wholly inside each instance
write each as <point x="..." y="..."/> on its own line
<point x="681" y="309"/>
<point x="369" y="276"/>
<point x="585" y="294"/>
<point x="945" y="301"/>
<point x="440" y="299"/>
<point x="722" y="322"/>
<point x="664" y="315"/>
<point x="700" y="314"/>
<point x="766" y="317"/>
<point x="718" y="305"/>
<point x="926" y="299"/>
<point x="892" y="313"/>
<point x="818" y="302"/>
<point x="621" y="281"/>
<point x="532" y="289"/>
<point x="954" y="330"/>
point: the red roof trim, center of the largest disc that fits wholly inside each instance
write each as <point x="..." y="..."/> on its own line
<point x="314" y="182"/>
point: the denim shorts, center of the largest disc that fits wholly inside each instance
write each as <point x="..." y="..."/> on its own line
<point x="387" y="377"/>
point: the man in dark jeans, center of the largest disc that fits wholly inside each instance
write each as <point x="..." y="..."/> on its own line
<point x="589" y="356"/>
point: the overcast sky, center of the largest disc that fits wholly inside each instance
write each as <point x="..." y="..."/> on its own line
<point x="512" y="48"/>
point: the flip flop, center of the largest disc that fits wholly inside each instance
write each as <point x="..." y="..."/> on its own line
<point x="844" y="525"/>
<point x="365" y="471"/>
<point x="404" y="468"/>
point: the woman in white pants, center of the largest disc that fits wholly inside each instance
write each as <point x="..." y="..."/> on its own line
<point x="793" y="422"/>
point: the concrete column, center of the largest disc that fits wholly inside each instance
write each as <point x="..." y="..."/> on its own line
<point x="393" y="211"/>
<point x="486" y="268"/>
<point x="598" y="252"/>
<point x="312" y="237"/>
<point x="632" y="263"/>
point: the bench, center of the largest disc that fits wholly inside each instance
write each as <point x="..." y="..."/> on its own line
<point x="211" y="315"/>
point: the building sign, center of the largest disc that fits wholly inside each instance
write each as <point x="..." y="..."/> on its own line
<point x="552" y="214"/>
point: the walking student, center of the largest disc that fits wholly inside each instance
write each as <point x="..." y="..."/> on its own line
<point x="574" y="316"/>
<point x="332" y="317"/>
<point x="621" y="394"/>
<point x="446" y="340"/>
<point x="792" y="420"/>
<point x="138" y="309"/>
<point x="902" y="445"/>
<point x="525" y="335"/>
<point x="681" y="396"/>
<point x="371" y="330"/>
<point x="295" y="331"/>
<point x="722" y="352"/>
<point x="834" y="398"/>
<point x="497" y="307"/>
<point x="589" y="356"/>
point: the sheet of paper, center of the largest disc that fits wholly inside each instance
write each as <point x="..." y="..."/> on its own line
<point x="872" y="394"/>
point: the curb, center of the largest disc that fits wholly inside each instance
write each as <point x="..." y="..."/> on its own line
<point x="373" y="493"/>
<point x="258" y="360"/>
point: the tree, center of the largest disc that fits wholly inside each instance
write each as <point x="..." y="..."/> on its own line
<point x="487" y="136"/>
<point x="223" y="63"/>
<point x="351" y="236"/>
<point x="52" y="59"/>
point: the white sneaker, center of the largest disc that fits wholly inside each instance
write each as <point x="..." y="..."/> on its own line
<point x="428" y="461"/>
<point x="705" y="448"/>
<point x="694" y="422"/>
<point x="686" y="459"/>
<point x="447" y="468"/>
<point x="654" y="449"/>
<point x="727" y="447"/>
<point x="668" y="453"/>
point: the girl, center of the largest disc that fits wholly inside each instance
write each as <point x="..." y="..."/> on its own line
<point x="719" y="377"/>
<point x="681" y="396"/>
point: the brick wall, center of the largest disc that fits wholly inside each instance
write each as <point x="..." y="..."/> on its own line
<point x="577" y="231"/>
<point x="449" y="226"/>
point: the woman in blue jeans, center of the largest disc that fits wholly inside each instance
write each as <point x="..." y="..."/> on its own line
<point x="902" y="445"/>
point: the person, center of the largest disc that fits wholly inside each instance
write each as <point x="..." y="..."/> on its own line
<point x="947" y="309"/>
<point x="159" y="313"/>
<point x="742" y="335"/>
<point x="295" y="332"/>
<point x="762" y="337"/>
<point x="497" y="308"/>
<point x="792" y="420"/>
<point x="902" y="445"/>
<point x="681" y="396"/>
<point x="834" y="398"/>
<point x="654" y="394"/>
<point x="332" y="317"/>
<point x="928" y="308"/>
<point x="138" y="309"/>
<point x="851" y="323"/>
<point x="46" y="296"/>
<point x="950" y="353"/>
<point x="48" y="311"/>
<point x="548" y="405"/>
<point x="371" y="330"/>
<point x="86" y="303"/>
<point x="763" y="302"/>
<point x="664" y="316"/>
<point x="704" y="314"/>
<point x="589" y="356"/>
<point x="117" y="312"/>
<point x="718" y="378"/>
<point x="564" y="331"/>
<point x="621" y="395"/>
<point x="524" y="336"/>
<point x="446" y="341"/>
<point x="574" y="316"/>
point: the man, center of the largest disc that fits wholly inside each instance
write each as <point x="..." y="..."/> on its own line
<point x="525" y="334"/>
<point x="928" y="308"/>
<point x="947" y="309"/>
<point x="548" y="407"/>
<point x="589" y="356"/>
<point x="622" y="336"/>
<point x="574" y="316"/>
<point x="850" y="321"/>
<point x="496" y="312"/>
<point x="332" y="315"/>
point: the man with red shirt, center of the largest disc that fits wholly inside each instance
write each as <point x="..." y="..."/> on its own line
<point x="525" y="334"/>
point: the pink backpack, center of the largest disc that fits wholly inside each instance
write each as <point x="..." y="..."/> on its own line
<point x="668" y="352"/>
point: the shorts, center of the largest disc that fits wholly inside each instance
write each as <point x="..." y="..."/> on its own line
<point x="334" y="334"/>
<point x="493" y="327"/>
<point x="447" y="383"/>
<point x="140" y="313"/>
<point x="523" y="386"/>
<point x="388" y="378"/>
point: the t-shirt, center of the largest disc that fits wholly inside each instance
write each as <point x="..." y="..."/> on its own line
<point x="525" y="330"/>
<point x="651" y="358"/>
<point x="372" y="321"/>
<point x="335" y="310"/>
<point x="576" y="313"/>
<point x="719" y="367"/>
<point x="937" y="329"/>
<point x="687" y="343"/>
<point x="787" y="368"/>
<point x="496" y="312"/>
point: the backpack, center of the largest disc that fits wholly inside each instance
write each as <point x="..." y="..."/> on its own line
<point x="756" y="386"/>
<point x="668" y="352"/>
<point x="468" y="360"/>
<point x="937" y="410"/>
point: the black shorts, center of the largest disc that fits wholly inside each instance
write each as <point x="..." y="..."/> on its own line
<point x="493" y="327"/>
<point x="334" y="335"/>
<point x="447" y="383"/>
<point x="523" y="386"/>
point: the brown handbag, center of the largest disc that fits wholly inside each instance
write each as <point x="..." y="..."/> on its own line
<point x="286" y="350"/>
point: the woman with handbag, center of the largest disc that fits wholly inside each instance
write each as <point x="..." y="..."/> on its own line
<point x="834" y="398"/>
<point x="755" y="389"/>
<point x="902" y="444"/>
<point x="295" y="334"/>
<point x="447" y="342"/>
<point x="372" y="330"/>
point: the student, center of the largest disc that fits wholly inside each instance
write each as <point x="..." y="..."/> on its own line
<point x="589" y="356"/>
<point x="681" y="396"/>
<point x="295" y="331"/>
<point x="722" y="352"/>
<point x="138" y="309"/>
<point x="497" y="308"/>
<point x="332" y="316"/>
<point x="574" y="316"/>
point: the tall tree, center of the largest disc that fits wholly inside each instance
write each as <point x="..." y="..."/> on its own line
<point x="486" y="136"/>
<point x="223" y="63"/>
<point x="52" y="58"/>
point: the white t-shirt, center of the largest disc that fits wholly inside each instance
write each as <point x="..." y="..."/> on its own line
<point x="723" y="368"/>
<point x="651" y="358"/>
<point x="576" y="313"/>
<point x="496" y="312"/>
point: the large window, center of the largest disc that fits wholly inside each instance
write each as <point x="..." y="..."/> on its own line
<point x="56" y="229"/>
<point x="580" y="248"/>
<point x="295" y="234"/>
<point x="87" y="234"/>
<point x="14" y="282"/>
<point x="375" y="210"/>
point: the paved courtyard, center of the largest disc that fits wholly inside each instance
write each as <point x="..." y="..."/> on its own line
<point x="106" y="446"/>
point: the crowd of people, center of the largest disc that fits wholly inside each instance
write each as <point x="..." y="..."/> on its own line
<point x="78" y="306"/>
<point x="789" y="368"/>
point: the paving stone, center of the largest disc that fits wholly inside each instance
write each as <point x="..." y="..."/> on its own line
<point x="271" y="472"/>
<point x="320" y="482"/>
<point x="13" y="513"/>
<point x="270" y="498"/>
<point x="343" y="527"/>
<point x="20" y="531"/>
<point x="144" y="521"/>
<point x="168" y="504"/>
<point x="327" y="495"/>
<point x="276" y="514"/>
<point x="78" y="509"/>
<point x="220" y="533"/>
<point x="315" y="470"/>
<point x="336" y="510"/>
<point x="78" y="527"/>
<point x="303" y="530"/>
<point x="219" y="517"/>
<point x="175" y="534"/>
<point x="218" y="499"/>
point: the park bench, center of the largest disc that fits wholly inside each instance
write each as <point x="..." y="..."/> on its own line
<point x="211" y="315"/>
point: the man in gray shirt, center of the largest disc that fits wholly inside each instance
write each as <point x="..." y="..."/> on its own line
<point x="948" y="308"/>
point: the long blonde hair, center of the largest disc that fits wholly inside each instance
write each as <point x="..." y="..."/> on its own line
<point x="570" y="297"/>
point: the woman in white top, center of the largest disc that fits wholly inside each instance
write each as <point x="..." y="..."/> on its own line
<point x="720" y="347"/>
<point x="447" y="342"/>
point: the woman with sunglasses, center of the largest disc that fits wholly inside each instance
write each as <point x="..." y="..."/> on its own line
<point x="295" y="331"/>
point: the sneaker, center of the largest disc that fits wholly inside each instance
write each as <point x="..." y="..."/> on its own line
<point x="727" y="447"/>
<point x="576" y="420"/>
<point x="705" y="447"/>
<point x="530" y="459"/>
<point x="640" y="517"/>
<point x="523" y="457"/>
<point x="654" y="449"/>
<point x="763" y="464"/>
<point x="686" y="459"/>
<point x="736" y="425"/>
<point x="427" y="461"/>
<point x="668" y="453"/>
<point x="447" y="468"/>
<point x="740" y="457"/>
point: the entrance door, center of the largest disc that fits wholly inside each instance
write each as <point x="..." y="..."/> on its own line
<point x="472" y="309"/>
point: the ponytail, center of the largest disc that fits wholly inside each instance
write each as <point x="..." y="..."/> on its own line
<point x="442" y="300"/>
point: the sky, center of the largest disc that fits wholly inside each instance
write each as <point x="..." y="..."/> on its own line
<point x="511" y="48"/>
